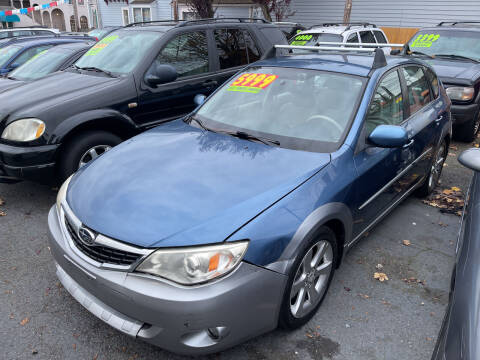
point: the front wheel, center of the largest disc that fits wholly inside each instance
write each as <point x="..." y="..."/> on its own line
<point x="435" y="171"/>
<point x="309" y="279"/>
<point x="83" y="148"/>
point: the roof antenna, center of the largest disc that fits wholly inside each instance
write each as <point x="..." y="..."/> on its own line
<point x="380" y="60"/>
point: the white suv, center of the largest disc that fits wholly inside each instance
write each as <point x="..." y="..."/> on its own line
<point x="26" y="31"/>
<point x="342" y="33"/>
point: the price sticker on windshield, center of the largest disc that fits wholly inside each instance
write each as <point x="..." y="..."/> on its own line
<point x="252" y="83"/>
<point x="425" y="40"/>
<point x="102" y="44"/>
<point x="301" y="39"/>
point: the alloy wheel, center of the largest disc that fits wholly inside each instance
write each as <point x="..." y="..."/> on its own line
<point x="437" y="166"/>
<point x="311" y="279"/>
<point x="92" y="154"/>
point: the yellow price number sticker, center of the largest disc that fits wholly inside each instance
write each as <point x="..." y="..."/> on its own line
<point x="301" y="39"/>
<point x="424" y="40"/>
<point x="102" y="44"/>
<point x="252" y="83"/>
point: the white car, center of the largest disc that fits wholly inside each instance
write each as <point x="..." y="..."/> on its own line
<point x="26" y="31"/>
<point x="356" y="33"/>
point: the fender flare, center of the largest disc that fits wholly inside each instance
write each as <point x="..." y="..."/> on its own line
<point x="308" y="228"/>
<point x="66" y="126"/>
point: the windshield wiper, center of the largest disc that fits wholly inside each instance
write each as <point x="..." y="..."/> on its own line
<point x="93" y="68"/>
<point x="455" y="56"/>
<point x="198" y="121"/>
<point x="11" y="78"/>
<point x="247" y="136"/>
<point x="421" y="53"/>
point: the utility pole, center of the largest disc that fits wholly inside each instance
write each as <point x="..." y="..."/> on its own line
<point x="348" y="11"/>
<point x="75" y="15"/>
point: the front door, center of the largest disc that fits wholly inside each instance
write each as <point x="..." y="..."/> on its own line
<point x="188" y="54"/>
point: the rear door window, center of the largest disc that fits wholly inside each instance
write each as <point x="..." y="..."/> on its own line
<point x="367" y="37"/>
<point x="352" y="38"/>
<point x="433" y="81"/>
<point x="252" y="49"/>
<point x="187" y="53"/>
<point x="418" y="88"/>
<point x="381" y="39"/>
<point x="231" y="48"/>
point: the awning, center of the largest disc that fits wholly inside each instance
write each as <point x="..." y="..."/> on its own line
<point x="9" y="18"/>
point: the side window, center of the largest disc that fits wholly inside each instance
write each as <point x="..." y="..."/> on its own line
<point x="187" y="53"/>
<point x="386" y="107"/>
<point x="367" y="37"/>
<point x="3" y="35"/>
<point x="433" y="81"/>
<point x="352" y="38"/>
<point x="252" y="50"/>
<point x="232" y="50"/>
<point x="22" y="33"/>
<point x="418" y="88"/>
<point x="381" y="39"/>
<point x="28" y="54"/>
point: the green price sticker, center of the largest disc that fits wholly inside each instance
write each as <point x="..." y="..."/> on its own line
<point x="424" y="41"/>
<point x="301" y="40"/>
<point x="101" y="45"/>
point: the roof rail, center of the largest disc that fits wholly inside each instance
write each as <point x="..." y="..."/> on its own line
<point x="348" y="25"/>
<point x="367" y="45"/>
<point x="453" y="23"/>
<point x="26" y="27"/>
<point x="153" y="22"/>
<point x="378" y="61"/>
<point x="208" y="20"/>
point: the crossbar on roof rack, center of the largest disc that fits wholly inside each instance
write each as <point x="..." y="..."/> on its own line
<point x="241" y="20"/>
<point x="348" y="25"/>
<point x="358" y="44"/>
<point x="153" y="22"/>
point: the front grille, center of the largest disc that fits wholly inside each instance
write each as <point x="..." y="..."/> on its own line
<point x="102" y="254"/>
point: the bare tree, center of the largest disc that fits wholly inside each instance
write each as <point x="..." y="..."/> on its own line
<point x="202" y="8"/>
<point x="280" y="9"/>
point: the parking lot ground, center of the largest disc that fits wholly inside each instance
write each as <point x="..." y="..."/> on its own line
<point x="361" y="318"/>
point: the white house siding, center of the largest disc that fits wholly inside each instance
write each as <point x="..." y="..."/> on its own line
<point x="392" y="13"/>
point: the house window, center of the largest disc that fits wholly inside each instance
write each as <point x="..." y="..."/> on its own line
<point x="125" y="16"/>
<point x="83" y="23"/>
<point x="73" y="25"/>
<point x="141" y="14"/>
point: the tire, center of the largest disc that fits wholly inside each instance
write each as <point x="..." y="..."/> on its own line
<point x="324" y="240"/>
<point x="467" y="131"/>
<point x="78" y="146"/>
<point x="435" y="171"/>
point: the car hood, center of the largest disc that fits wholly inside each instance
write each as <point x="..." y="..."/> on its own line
<point x="6" y="84"/>
<point x="177" y="185"/>
<point x="55" y="88"/>
<point x="449" y="70"/>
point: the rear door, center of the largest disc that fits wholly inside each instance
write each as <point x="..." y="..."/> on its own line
<point x="380" y="170"/>
<point x="189" y="54"/>
<point x="425" y="118"/>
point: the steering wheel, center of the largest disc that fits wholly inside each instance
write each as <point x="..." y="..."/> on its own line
<point x="329" y="121"/>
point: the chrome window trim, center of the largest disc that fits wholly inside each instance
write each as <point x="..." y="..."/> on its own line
<point x="383" y="189"/>
<point x="100" y="239"/>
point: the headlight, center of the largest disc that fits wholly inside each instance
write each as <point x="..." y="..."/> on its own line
<point x="188" y="266"/>
<point x="62" y="193"/>
<point x="24" y="130"/>
<point x="460" y="93"/>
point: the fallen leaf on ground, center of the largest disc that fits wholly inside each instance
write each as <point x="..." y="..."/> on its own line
<point x="2" y="202"/>
<point x="476" y="145"/>
<point x="379" y="267"/>
<point x="380" y="276"/>
<point x="3" y="213"/>
<point x="406" y="242"/>
<point x="346" y="288"/>
<point x="454" y="188"/>
<point x="24" y="321"/>
<point x="449" y="201"/>
<point x="365" y="296"/>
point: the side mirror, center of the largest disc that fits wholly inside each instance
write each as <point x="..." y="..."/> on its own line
<point x="395" y="52"/>
<point x="199" y="99"/>
<point x="161" y="74"/>
<point x="470" y="158"/>
<point x="388" y="136"/>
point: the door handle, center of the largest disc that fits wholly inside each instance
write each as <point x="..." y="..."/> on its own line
<point x="410" y="143"/>
<point x="210" y="83"/>
<point x="439" y="119"/>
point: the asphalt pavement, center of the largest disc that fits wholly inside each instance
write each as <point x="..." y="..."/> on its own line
<point x="361" y="317"/>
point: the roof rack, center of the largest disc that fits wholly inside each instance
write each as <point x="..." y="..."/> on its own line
<point x="153" y="22"/>
<point x="378" y="62"/>
<point x="208" y="20"/>
<point x="367" y="45"/>
<point x="348" y="25"/>
<point x="453" y="23"/>
<point x="26" y="27"/>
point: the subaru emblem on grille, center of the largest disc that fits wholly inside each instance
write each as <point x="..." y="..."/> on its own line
<point x="86" y="236"/>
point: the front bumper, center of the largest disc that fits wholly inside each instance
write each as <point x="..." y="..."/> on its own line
<point x="463" y="113"/>
<point x="241" y="305"/>
<point x="36" y="163"/>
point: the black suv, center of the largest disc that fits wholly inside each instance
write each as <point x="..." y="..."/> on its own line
<point x="135" y="78"/>
<point x="453" y="49"/>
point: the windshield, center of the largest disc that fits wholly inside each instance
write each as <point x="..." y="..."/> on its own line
<point x="312" y="39"/>
<point x="447" y="42"/>
<point x="98" y="33"/>
<point x="119" y="52"/>
<point x="7" y="52"/>
<point x="40" y="65"/>
<point x="3" y="35"/>
<point x="301" y="109"/>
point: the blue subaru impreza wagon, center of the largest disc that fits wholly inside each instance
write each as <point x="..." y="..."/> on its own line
<point x="223" y="225"/>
